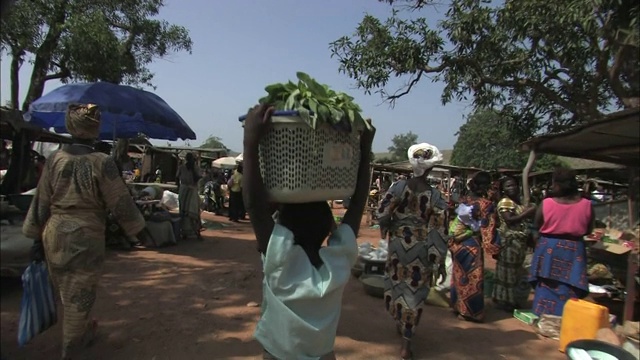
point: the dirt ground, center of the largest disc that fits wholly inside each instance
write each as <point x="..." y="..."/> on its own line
<point x="190" y="301"/>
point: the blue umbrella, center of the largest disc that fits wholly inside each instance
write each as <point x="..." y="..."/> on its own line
<point x="126" y="112"/>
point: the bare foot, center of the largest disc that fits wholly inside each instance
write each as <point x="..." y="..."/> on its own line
<point x="406" y="352"/>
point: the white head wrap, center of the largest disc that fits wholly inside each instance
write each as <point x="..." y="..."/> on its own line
<point x="421" y="165"/>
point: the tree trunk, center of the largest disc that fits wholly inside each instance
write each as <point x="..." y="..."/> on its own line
<point x="44" y="55"/>
<point x="14" y="78"/>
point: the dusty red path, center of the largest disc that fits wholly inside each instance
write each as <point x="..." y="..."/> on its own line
<point x="190" y="302"/>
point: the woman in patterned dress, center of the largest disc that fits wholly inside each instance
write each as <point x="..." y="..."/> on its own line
<point x="467" y="248"/>
<point x="514" y="234"/>
<point x="411" y="205"/>
<point x="67" y="220"/>
<point x="188" y="199"/>
<point x="559" y="265"/>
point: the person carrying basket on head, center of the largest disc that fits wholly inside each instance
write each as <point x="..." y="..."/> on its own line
<point x="300" y="324"/>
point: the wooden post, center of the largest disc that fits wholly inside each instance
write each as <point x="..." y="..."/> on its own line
<point x="632" y="263"/>
<point x="630" y="286"/>
<point x="447" y="185"/>
<point x="525" y="177"/>
<point x="632" y="196"/>
<point x="21" y="175"/>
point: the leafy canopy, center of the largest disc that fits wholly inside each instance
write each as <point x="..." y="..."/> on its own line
<point x="82" y="40"/>
<point x="484" y="143"/>
<point x="401" y="144"/>
<point x="213" y="142"/>
<point x="555" y="63"/>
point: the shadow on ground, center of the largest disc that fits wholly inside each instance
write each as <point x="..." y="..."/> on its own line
<point x="190" y="302"/>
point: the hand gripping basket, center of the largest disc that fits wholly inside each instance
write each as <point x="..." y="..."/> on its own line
<point x="300" y="164"/>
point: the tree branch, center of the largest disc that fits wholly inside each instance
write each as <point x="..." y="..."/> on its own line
<point x="534" y="85"/>
<point x="553" y="75"/>
<point x="600" y="73"/>
<point x="614" y="75"/>
<point x="58" y="75"/>
<point x="434" y="69"/>
<point x="63" y="73"/>
<point x="412" y="83"/>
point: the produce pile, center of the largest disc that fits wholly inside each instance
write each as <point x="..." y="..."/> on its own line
<point x="369" y="252"/>
<point x="315" y="103"/>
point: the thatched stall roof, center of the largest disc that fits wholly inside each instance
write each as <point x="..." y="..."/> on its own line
<point x="205" y="153"/>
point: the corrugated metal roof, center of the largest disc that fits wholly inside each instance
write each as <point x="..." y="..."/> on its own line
<point x="614" y="139"/>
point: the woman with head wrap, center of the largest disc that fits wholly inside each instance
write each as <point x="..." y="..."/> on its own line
<point x="410" y="207"/>
<point x="559" y="266"/>
<point x="514" y="233"/>
<point x="471" y="232"/>
<point x="189" y="200"/>
<point x="67" y="219"/>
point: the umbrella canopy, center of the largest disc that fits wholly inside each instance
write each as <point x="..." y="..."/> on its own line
<point x="227" y="162"/>
<point x="239" y="158"/>
<point x="126" y="111"/>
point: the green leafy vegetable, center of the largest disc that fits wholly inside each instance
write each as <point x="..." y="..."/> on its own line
<point x="308" y="96"/>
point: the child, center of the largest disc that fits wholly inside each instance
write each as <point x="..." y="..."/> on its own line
<point x="303" y="281"/>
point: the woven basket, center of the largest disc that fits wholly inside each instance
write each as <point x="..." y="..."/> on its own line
<point x="300" y="164"/>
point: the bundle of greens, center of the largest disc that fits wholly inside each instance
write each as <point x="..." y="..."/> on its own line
<point x="315" y="102"/>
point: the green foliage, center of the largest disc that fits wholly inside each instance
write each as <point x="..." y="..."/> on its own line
<point x="213" y="142"/>
<point x="486" y="141"/>
<point x="555" y="63"/>
<point x="383" y="160"/>
<point x="401" y="144"/>
<point x="314" y="101"/>
<point x="80" y="40"/>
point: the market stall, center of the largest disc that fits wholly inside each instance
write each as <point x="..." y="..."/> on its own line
<point x="15" y="247"/>
<point x="614" y="139"/>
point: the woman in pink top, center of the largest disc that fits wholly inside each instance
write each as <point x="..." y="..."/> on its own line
<point x="559" y="266"/>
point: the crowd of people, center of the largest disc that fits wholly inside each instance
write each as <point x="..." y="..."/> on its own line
<point x="488" y="220"/>
<point x="304" y="280"/>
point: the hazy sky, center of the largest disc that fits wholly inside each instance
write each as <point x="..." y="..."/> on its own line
<point x="240" y="46"/>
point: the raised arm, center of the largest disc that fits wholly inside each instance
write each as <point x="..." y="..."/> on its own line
<point x="353" y="216"/>
<point x="254" y="192"/>
<point x="507" y="212"/>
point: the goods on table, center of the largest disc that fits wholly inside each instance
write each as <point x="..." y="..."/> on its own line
<point x="312" y="150"/>
<point x="369" y="252"/>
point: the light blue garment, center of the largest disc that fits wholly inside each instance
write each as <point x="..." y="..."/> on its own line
<point x="301" y="304"/>
<point x="465" y="215"/>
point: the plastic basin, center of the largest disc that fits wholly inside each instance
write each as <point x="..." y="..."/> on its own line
<point x="599" y="350"/>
